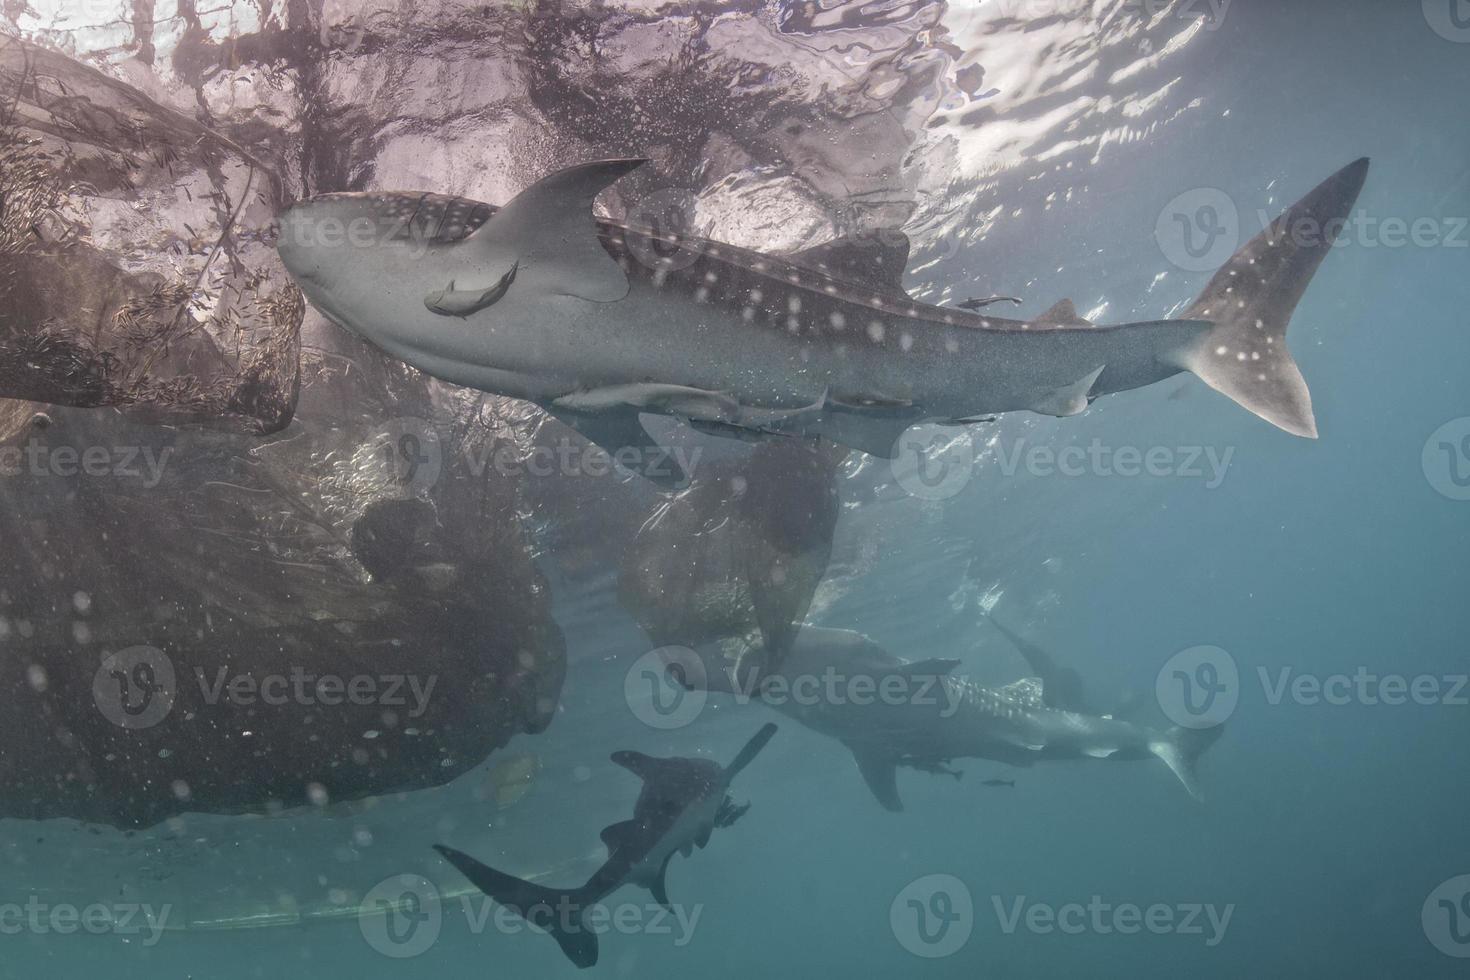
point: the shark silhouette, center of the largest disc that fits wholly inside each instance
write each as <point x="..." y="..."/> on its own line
<point x="597" y="322"/>
<point x="682" y="802"/>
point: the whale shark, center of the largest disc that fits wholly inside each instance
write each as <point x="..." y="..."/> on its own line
<point x="598" y="322"/>
<point x="893" y="713"/>
<point x="682" y="802"/>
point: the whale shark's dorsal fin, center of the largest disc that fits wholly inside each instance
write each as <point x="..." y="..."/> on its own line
<point x="875" y="261"/>
<point x="1027" y="691"/>
<point x="1063" y="314"/>
<point x="550" y="230"/>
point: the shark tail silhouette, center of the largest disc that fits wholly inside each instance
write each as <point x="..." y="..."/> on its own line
<point x="1251" y="301"/>
<point x="1180" y="749"/>
<point x="557" y="911"/>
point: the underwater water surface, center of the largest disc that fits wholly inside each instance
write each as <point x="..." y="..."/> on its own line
<point x="1188" y="561"/>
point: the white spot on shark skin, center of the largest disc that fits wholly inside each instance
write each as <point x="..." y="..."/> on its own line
<point x="793" y="324"/>
<point x="747" y="314"/>
<point x="794" y="304"/>
<point x="794" y="279"/>
<point x="760" y="267"/>
<point x="837" y="320"/>
<point x="711" y="278"/>
<point x="755" y="295"/>
<point x="906" y="342"/>
<point x="1222" y="350"/>
<point x="659" y="277"/>
<point x="701" y="295"/>
<point x="951" y="345"/>
<point x="876" y="330"/>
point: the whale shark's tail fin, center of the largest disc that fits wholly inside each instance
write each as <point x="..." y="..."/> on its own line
<point x="555" y="911"/>
<point x="1251" y="301"/>
<point x="1180" y="749"/>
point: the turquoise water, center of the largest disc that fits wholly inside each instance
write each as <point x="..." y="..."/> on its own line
<point x="1333" y="824"/>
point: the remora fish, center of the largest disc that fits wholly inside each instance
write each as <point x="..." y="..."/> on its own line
<point x="927" y="718"/>
<point x="683" y="800"/>
<point x="594" y="321"/>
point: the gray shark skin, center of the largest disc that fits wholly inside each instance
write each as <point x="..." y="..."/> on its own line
<point x="597" y="322"/>
<point x="929" y="718"/>
<point x="682" y="802"/>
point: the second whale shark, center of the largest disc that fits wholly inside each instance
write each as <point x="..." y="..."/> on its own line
<point x="682" y="802"/>
<point x="893" y="713"/>
<point x="598" y="322"/>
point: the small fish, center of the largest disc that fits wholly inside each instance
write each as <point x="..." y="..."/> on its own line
<point x="1007" y="783"/>
<point x="977" y="304"/>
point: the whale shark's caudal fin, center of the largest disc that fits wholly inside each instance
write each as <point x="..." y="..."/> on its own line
<point x="1251" y="301"/>
<point x="556" y="911"/>
<point x="1180" y="749"/>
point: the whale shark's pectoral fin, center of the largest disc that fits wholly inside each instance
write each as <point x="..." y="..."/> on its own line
<point x="880" y="771"/>
<point x="1070" y="399"/>
<point x="464" y="302"/>
<point x="658" y="884"/>
<point x="621" y="434"/>
<point x="876" y="435"/>
<point x="667" y="399"/>
<point x="550" y="228"/>
<point x="616" y="836"/>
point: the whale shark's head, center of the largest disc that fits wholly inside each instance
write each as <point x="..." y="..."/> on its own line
<point x="408" y="270"/>
<point x="337" y="245"/>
